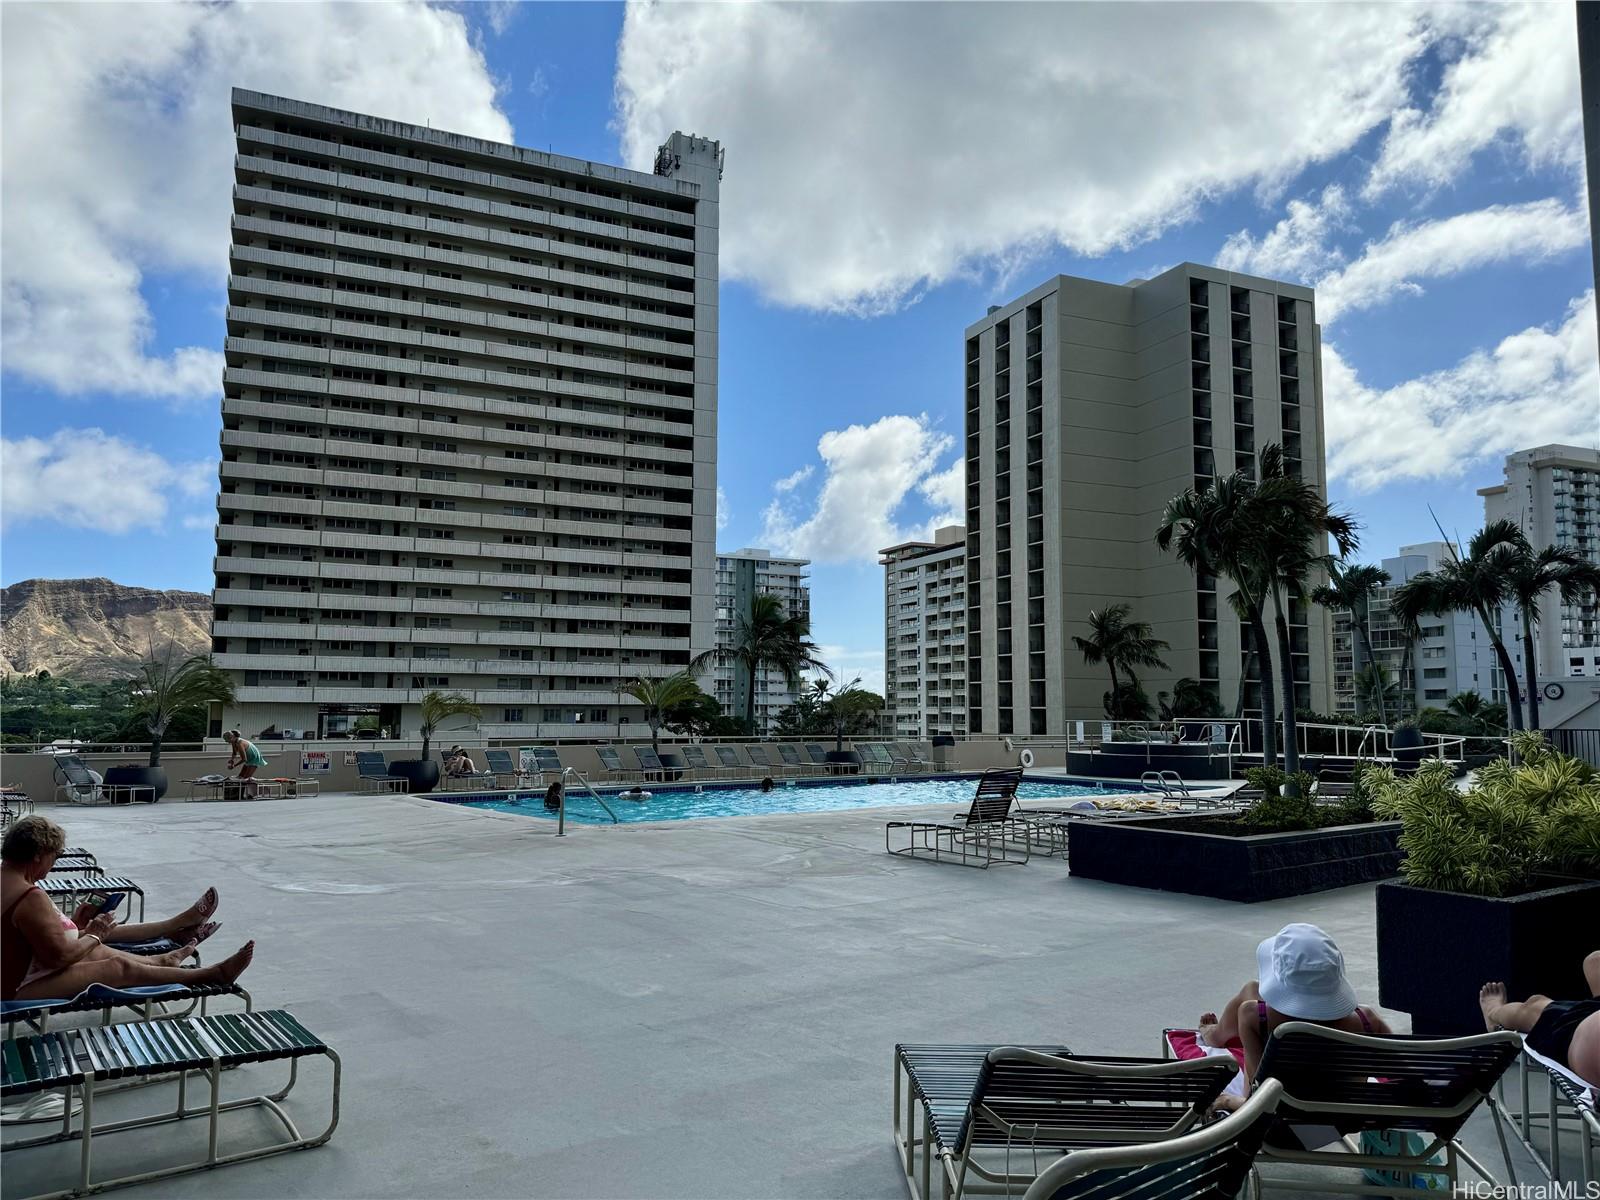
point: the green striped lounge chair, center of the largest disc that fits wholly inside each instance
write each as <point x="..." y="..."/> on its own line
<point x="694" y="757"/>
<point x="76" y="1063"/>
<point x="730" y="762"/>
<point x="69" y="891"/>
<point x="148" y="1003"/>
<point x="791" y="757"/>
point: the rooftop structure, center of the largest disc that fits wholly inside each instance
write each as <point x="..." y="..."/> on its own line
<point x="1089" y="405"/>
<point x="469" y="425"/>
<point x="924" y="635"/>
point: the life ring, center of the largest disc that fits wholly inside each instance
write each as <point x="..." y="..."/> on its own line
<point x="1026" y="758"/>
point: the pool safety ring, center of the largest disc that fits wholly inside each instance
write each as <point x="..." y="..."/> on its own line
<point x="1026" y="758"/>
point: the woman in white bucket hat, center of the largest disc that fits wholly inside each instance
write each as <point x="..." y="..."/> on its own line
<point x="1300" y="977"/>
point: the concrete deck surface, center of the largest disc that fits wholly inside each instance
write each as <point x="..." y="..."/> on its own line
<point x="684" y="1009"/>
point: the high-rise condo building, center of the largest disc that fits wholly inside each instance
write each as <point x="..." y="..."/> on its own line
<point x="469" y="425"/>
<point x="1553" y="493"/>
<point x="1088" y="406"/>
<point x="1450" y="652"/>
<point x="925" y="636"/>
<point x="742" y="575"/>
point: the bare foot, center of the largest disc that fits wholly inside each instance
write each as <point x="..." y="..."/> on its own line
<point x="175" y="958"/>
<point x="1203" y="1028"/>
<point x="1490" y="997"/>
<point x="230" y="968"/>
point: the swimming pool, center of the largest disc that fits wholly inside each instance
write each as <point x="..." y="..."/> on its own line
<point x="680" y="802"/>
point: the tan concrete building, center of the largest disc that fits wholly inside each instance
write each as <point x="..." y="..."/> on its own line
<point x="925" y="635"/>
<point x="469" y="425"/>
<point x="1088" y="406"/>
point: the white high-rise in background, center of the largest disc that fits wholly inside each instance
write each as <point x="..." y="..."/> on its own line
<point x="1553" y="493"/>
<point x="469" y="425"/>
<point x="925" y="636"/>
<point x="1451" y="654"/>
<point x="741" y="576"/>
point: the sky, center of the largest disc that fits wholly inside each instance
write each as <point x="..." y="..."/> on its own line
<point x="892" y="170"/>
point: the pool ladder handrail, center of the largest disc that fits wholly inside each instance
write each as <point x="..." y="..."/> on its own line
<point x="561" y="816"/>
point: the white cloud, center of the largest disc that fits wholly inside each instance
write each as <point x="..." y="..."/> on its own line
<point x="89" y="479"/>
<point x="789" y="482"/>
<point x="118" y="149"/>
<point x="869" y="470"/>
<point x="1535" y="387"/>
<point x="722" y="509"/>
<point x="848" y="664"/>
<point x="1520" y="233"/>
<point x="947" y="489"/>
<point x="861" y="168"/>
<point x="1515" y="85"/>
<point x="1297" y="247"/>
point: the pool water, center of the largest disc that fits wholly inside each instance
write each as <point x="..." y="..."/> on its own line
<point x="682" y="803"/>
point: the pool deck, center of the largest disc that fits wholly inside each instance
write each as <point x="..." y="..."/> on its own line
<point x="681" y="1009"/>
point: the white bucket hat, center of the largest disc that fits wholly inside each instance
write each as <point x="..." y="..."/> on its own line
<point x="1301" y="974"/>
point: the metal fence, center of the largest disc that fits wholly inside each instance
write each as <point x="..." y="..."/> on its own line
<point x="1579" y="743"/>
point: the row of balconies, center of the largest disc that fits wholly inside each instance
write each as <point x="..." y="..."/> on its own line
<point x="310" y="572"/>
<point x="405" y="634"/>
<point x="631" y="604"/>
<point x="336" y="539"/>
<point x="279" y="661"/>
<point x="638" y="205"/>
<point x="243" y="502"/>
<point x="253" y="170"/>
<point x="651" y="535"/>
<point x="489" y="318"/>
<point x="335" y="693"/>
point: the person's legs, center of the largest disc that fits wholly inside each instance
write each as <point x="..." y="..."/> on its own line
<point x="1499" y="1013"/>
<point x="190" y="918"/>
<point x="247" y="776"/>
<point x="1583" y="1056"/>
<point x="1591" y="972"/>
<point x="1217" y="1030"/>
<point x="124" y="971"/>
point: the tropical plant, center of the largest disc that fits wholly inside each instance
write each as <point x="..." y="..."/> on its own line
<point x="766" y="636"/>
<point x="1119" y="642"/>
<point x="1188" y="698"/>
<point x="1475" y="714"/>
<point x="167" y="687"/>
<point x="1517" y="822"/>
<point x="439" y="707"/>
<point x="1532" y="573"/>
<point x="701" y="716"/>
<point x="1291" y="529"/>
<point x="1375" y="690"/>
<point x="659" y="696"/>
<point x="848" y="709"/>
<point x="1350" y="589"/>
<point x="1476" y="582"/>
<point x="1211" y="532"/>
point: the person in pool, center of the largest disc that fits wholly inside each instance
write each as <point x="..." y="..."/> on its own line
<point x="1564" y="1031"/>
<point x="45" y="957"/>
<point x="1299" y="977"/>
<point x="247" y="756"/>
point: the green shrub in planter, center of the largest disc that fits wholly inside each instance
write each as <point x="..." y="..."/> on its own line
<point x="1515" y="826"/>
<point x="1290" y="809"/>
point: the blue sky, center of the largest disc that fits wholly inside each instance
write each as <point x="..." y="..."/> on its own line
<point x="892" y="171"/>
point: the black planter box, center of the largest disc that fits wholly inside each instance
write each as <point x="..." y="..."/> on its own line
<point x="1436" y="949"/>
<point x="1164" y="853"/>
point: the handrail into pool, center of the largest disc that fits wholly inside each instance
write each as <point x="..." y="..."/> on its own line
<point x="561" y="817"/>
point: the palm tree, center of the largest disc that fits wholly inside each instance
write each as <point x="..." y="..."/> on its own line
<point x="1292" y="525"/>
<point x="1210" y="531"/>
<point x="845" y="707"/>
<point x="1373" y="686"/>
<point x="767" y="636"/>
<point x="1118" y="642"/>
<point x="1531" y="573"/>
<point x="1189" y="698"/>
<point x="1471" y="707"/>
<point x="1478" y="582"/>
<point x="660" y="696"/>
<point x="439" y="707"/>
<point x="1349" y="589"/>
<point x="166" y="688"/>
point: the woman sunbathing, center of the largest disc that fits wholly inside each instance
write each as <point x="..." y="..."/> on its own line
<point x="1300" y="978"/>
<point x="43" y="956"/>
<point x="1567" y="1032"/>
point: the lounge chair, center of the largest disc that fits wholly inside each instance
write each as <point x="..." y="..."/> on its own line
<point x="650" y="764"/>
<point x="992" y="830"/>
<point x="1570" y="1107"/>
<point x="764" y="765"/>
<point x="372" y="773"/>
<point x="730" y="762"/>
<point x="694" y="757"/>
<point x="819" y="758"/>
<point x="914" y="758"/>
<point x="68" y="891"/>
<point x="991" y="1118"/>
<point x="548" y="763"/>
<point x="465" y="780"/>
<point x="506" y="772"/>
<point x="1212" y="1163"/>
<point x="791" y="758"/>
<point x="1338" y="1086"/>
<point x="75" y="783"/>
<point x="876" y="759"/>
<point x="76" y="1062"/>
<point x="75" y="864"/>
<point x="611" y="762"/>
<point x="98" y="998"/>
<point x="14" y="804"/>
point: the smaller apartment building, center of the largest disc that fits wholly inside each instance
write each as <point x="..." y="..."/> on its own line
<point x="741" y="576"/>
<point x="925" y="637"/>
